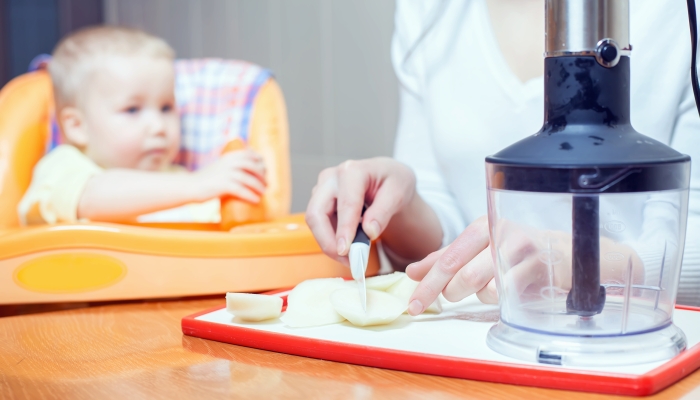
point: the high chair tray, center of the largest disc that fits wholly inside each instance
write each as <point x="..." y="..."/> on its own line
<point x="451" y="344"/>
<point x="105" y="262"/>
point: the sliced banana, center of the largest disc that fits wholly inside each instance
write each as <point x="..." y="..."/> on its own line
<point x="404" y="288"/>
<point x="383" y="282"/>
<point x="253" y="307"/>
<point x="382" y="308"/>
<point x="435" y="308"/>
<point x="308" y="304"/>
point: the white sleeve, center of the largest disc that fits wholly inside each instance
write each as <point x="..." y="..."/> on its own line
<point x="686" y="139"/>
<point x="414" y="145"/>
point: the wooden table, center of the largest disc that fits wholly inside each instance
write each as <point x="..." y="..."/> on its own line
<point x="137" y="350"/>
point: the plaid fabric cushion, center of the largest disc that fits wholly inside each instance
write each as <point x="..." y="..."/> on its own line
<point x="215" y="100"/>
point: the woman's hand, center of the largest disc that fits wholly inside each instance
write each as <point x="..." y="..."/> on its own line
<point x="457" y="271"/>
<point x="387" y="187"/>
<point x="537" y="264"/>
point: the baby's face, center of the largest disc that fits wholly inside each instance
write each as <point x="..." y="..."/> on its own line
<point x="129" y="114"/>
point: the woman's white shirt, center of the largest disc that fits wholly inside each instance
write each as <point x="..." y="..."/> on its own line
<point x="460" y="102"/>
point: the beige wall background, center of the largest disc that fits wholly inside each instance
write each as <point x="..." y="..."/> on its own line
<point x="331" y="58"/>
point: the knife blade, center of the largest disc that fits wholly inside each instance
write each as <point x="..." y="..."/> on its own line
<point x="359" y="255"/>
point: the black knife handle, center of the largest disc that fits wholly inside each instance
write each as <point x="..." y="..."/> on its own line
<point x="361" y="236"/>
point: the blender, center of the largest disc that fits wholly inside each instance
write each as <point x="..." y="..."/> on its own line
<point x="587" y="216"/>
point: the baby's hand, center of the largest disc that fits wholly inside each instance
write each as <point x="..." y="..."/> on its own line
<point x="239" y="174"/>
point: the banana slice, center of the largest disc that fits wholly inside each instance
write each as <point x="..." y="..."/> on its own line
<point x="308" y="303"/>
<point x="382" y="308"/>
<point x="404" y="288"/>
<point x="435" y="308"/>
<point x="253" y="307"/>
<point x="383" y="282"/>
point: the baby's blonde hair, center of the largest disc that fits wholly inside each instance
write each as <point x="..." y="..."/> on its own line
<point x="74" y="57"/>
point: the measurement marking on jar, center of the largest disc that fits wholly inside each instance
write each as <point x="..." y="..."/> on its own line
<point x="615" y="226"/>
<point x="614" y="256"/>
<point x="550" y="256"/>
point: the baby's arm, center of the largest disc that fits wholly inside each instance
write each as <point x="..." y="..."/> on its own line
<point x="123" y="194"/>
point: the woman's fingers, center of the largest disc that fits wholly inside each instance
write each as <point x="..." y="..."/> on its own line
<point x="471" y="278"/>
<point x="468" y="245"/>
<point x="385" y="204"/>
<point x="419" y="269"/>
<point x="320" y="211"/>
<point x="488" y="294"/>
<point x="520" y="276"/>
<point x="353" y="181"/>
<point x="392" y="187"/>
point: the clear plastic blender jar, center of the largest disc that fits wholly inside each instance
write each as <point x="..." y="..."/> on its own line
<point x="587" y="217"/>
<point x="587" y="279"/>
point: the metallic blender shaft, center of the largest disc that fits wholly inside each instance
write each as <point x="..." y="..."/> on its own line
<point x="576" y="27"/>
<point x="586" y="297"/>
<point x="580" y="29"/>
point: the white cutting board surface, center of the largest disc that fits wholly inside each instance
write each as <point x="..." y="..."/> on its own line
<point x="459" y="331"/>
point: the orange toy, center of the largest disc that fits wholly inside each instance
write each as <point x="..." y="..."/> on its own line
<point x="101" y="261"/>
<point x="235" y="212"/>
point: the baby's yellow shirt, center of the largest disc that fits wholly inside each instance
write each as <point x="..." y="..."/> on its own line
<point x="59" y="180"/>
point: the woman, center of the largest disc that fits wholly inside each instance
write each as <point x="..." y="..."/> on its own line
<point x="471" y="84"/>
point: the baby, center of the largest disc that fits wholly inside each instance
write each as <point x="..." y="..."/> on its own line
<point x="115" y="103"/>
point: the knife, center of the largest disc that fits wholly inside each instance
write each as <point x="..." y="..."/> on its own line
<point x="359" y="254"/>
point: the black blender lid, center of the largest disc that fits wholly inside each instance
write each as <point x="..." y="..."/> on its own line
<point x="587" y="121"/>
<point x="587" y="146"/>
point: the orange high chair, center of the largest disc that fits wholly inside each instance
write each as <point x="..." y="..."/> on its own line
<point x="104" y="261"/>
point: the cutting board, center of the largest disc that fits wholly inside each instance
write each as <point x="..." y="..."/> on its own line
<point x="451" y="344"/>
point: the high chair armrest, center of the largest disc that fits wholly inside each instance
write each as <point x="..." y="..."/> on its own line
<point x="25" y="106"/>
<point x="269" y="135"/>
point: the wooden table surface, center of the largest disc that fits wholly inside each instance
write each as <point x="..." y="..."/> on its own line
<point x="137" y="350"/>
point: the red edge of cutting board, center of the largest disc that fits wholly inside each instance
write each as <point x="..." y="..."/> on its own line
<point x="453" y="367"/>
